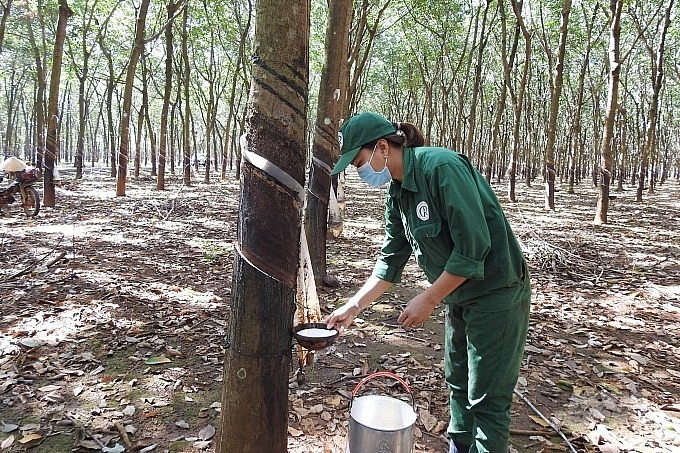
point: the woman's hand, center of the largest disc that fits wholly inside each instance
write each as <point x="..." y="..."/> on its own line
<point x="343" y="316"/>
<point x="417" y="311"/>
<point x="421" y="307"/>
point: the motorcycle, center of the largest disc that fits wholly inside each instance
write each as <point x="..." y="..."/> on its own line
<point x="21" y="186"/>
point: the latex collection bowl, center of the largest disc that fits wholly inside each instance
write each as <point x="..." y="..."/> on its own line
<point x="314" y="335"/>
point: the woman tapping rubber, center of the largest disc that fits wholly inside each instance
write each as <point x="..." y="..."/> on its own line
<point x="440" y="209"/>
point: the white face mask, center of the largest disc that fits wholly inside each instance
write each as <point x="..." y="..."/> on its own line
<point x="371" y="177"/>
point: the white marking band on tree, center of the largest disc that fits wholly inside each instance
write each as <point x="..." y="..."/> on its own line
<point x="275" y="172"/>
<point x="321" y="163"/>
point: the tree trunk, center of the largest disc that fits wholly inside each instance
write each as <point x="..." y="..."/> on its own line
<point x="605" y="169"/>
<point x="254" y="415"/>
<point x="519" y="100"/>
<point x="110" y="86"/>
<point x="138" y="141"/>
<point x="554" y="109"/>
<point x="360" y="50"/>
<point x="3" y="21"/>
<point x="52" y="149"/>
<point x="137" y="49"/>
<point x="167" y="93"/>
<point x="39" y="101"/>
<point x="186" y="124"/>
<point x="508" y="62"/>
<point x="325" y="141"/>
<point x="244" y="29"/>
<point x="623" y="148"/>
<point x="13" y="100"/>
<point x="82" y="112"/>
<point x="576" y="141"/>
<point x="657" y="82"/>
<point x="152" y="138"/>
<point x="476" y="88"/>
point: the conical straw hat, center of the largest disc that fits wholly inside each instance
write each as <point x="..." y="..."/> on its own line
<point x="12" y="164"/>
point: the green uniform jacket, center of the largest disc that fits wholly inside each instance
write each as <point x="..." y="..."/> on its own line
<point x="446" y="215"/>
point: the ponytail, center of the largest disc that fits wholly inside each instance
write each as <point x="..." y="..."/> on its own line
<point x="407" y="135"/>
<point x="413" y="136"/>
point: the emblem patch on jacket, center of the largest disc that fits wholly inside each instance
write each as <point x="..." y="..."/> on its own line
<point x="423" y="211"/>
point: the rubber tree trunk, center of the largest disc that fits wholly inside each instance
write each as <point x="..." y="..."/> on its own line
<point x="605" y="170"/>
<point x="110" y="87"/>
<point x="3" y="20"/>
<point x="171" y="8"/>
<point x="325" y="146"/>
<point x="52" y="146"/>
<point x="518" y="100"/>
<point x="41" y="88"/>
<point x="124" y="149"/>
<point x="657" y="83"/>
<point x="258" y="354"/>
<point x="554" y="109"/>
<point x="476" y="88"/>
<point x="508" y="62"/>
<point x="186" y="123"/>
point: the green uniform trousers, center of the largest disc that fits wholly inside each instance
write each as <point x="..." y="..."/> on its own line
<point x="483" y="355"/>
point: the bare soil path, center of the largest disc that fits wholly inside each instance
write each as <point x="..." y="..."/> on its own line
<point x="113" y="313"/>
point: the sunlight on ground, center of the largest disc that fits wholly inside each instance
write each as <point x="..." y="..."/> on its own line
<point x="50" y="329"/>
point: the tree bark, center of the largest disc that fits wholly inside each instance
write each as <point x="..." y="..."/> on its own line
<point x="41" y="88"/>
<point x="254" y="416"/>
<point x="186" y="124"/>
<point x="476" y="88"/>
<point x="576" y="140"/>
<point x="605" y="170"/>
<point x="518" y="100"/>
<point x="554" y="108"/>
<point x="167" y="93"/>
<point x="508" y="61"/>
<point x="110" y="87"/>
<point x="6" y="8"/>
<point x="244" y="28"/>
<point x="657" y="83"/>
<point x="325" y="142"/>
<point x="52" y="148"/>
<point x="138" y="47"/>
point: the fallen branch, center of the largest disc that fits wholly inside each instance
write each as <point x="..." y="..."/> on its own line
<point x="530" y="432"/>
<point x="670" y="407"/>
<point x="123" y="434"/>
<point x="35" y="263"/>
<point x="552" y="425"/>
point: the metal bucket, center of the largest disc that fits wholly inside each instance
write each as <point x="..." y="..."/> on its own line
<point x="379" y="423"/>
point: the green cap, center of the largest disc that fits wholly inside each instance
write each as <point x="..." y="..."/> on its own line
<point x="358" y="131"/>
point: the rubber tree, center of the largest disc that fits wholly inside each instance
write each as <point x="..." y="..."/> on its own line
<point x="332" y="92"/>
<point x="52" y="143"/>
<point x="111" y="78"/>
<point x="37" y="49"/>
<point x="576" y="147"/>
<point x="258" y="347"/>
<point x="185" y="83"/>
<point x="5" y="8"/>
<point x="84" y="45"/>
<point x="508" y="62"/>
<point x="124" y="147"/>
<point x="518" y="99"/>
<point x="555" y="93"/>
<point x="657" y="61"/>
<point x="476" y="88"/>
<point x="172" y="8"/>
<point x="239" y="77"/>
<point x="605" y="169"/>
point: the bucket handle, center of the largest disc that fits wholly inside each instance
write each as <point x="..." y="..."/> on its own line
<point x="383" y="374"/>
